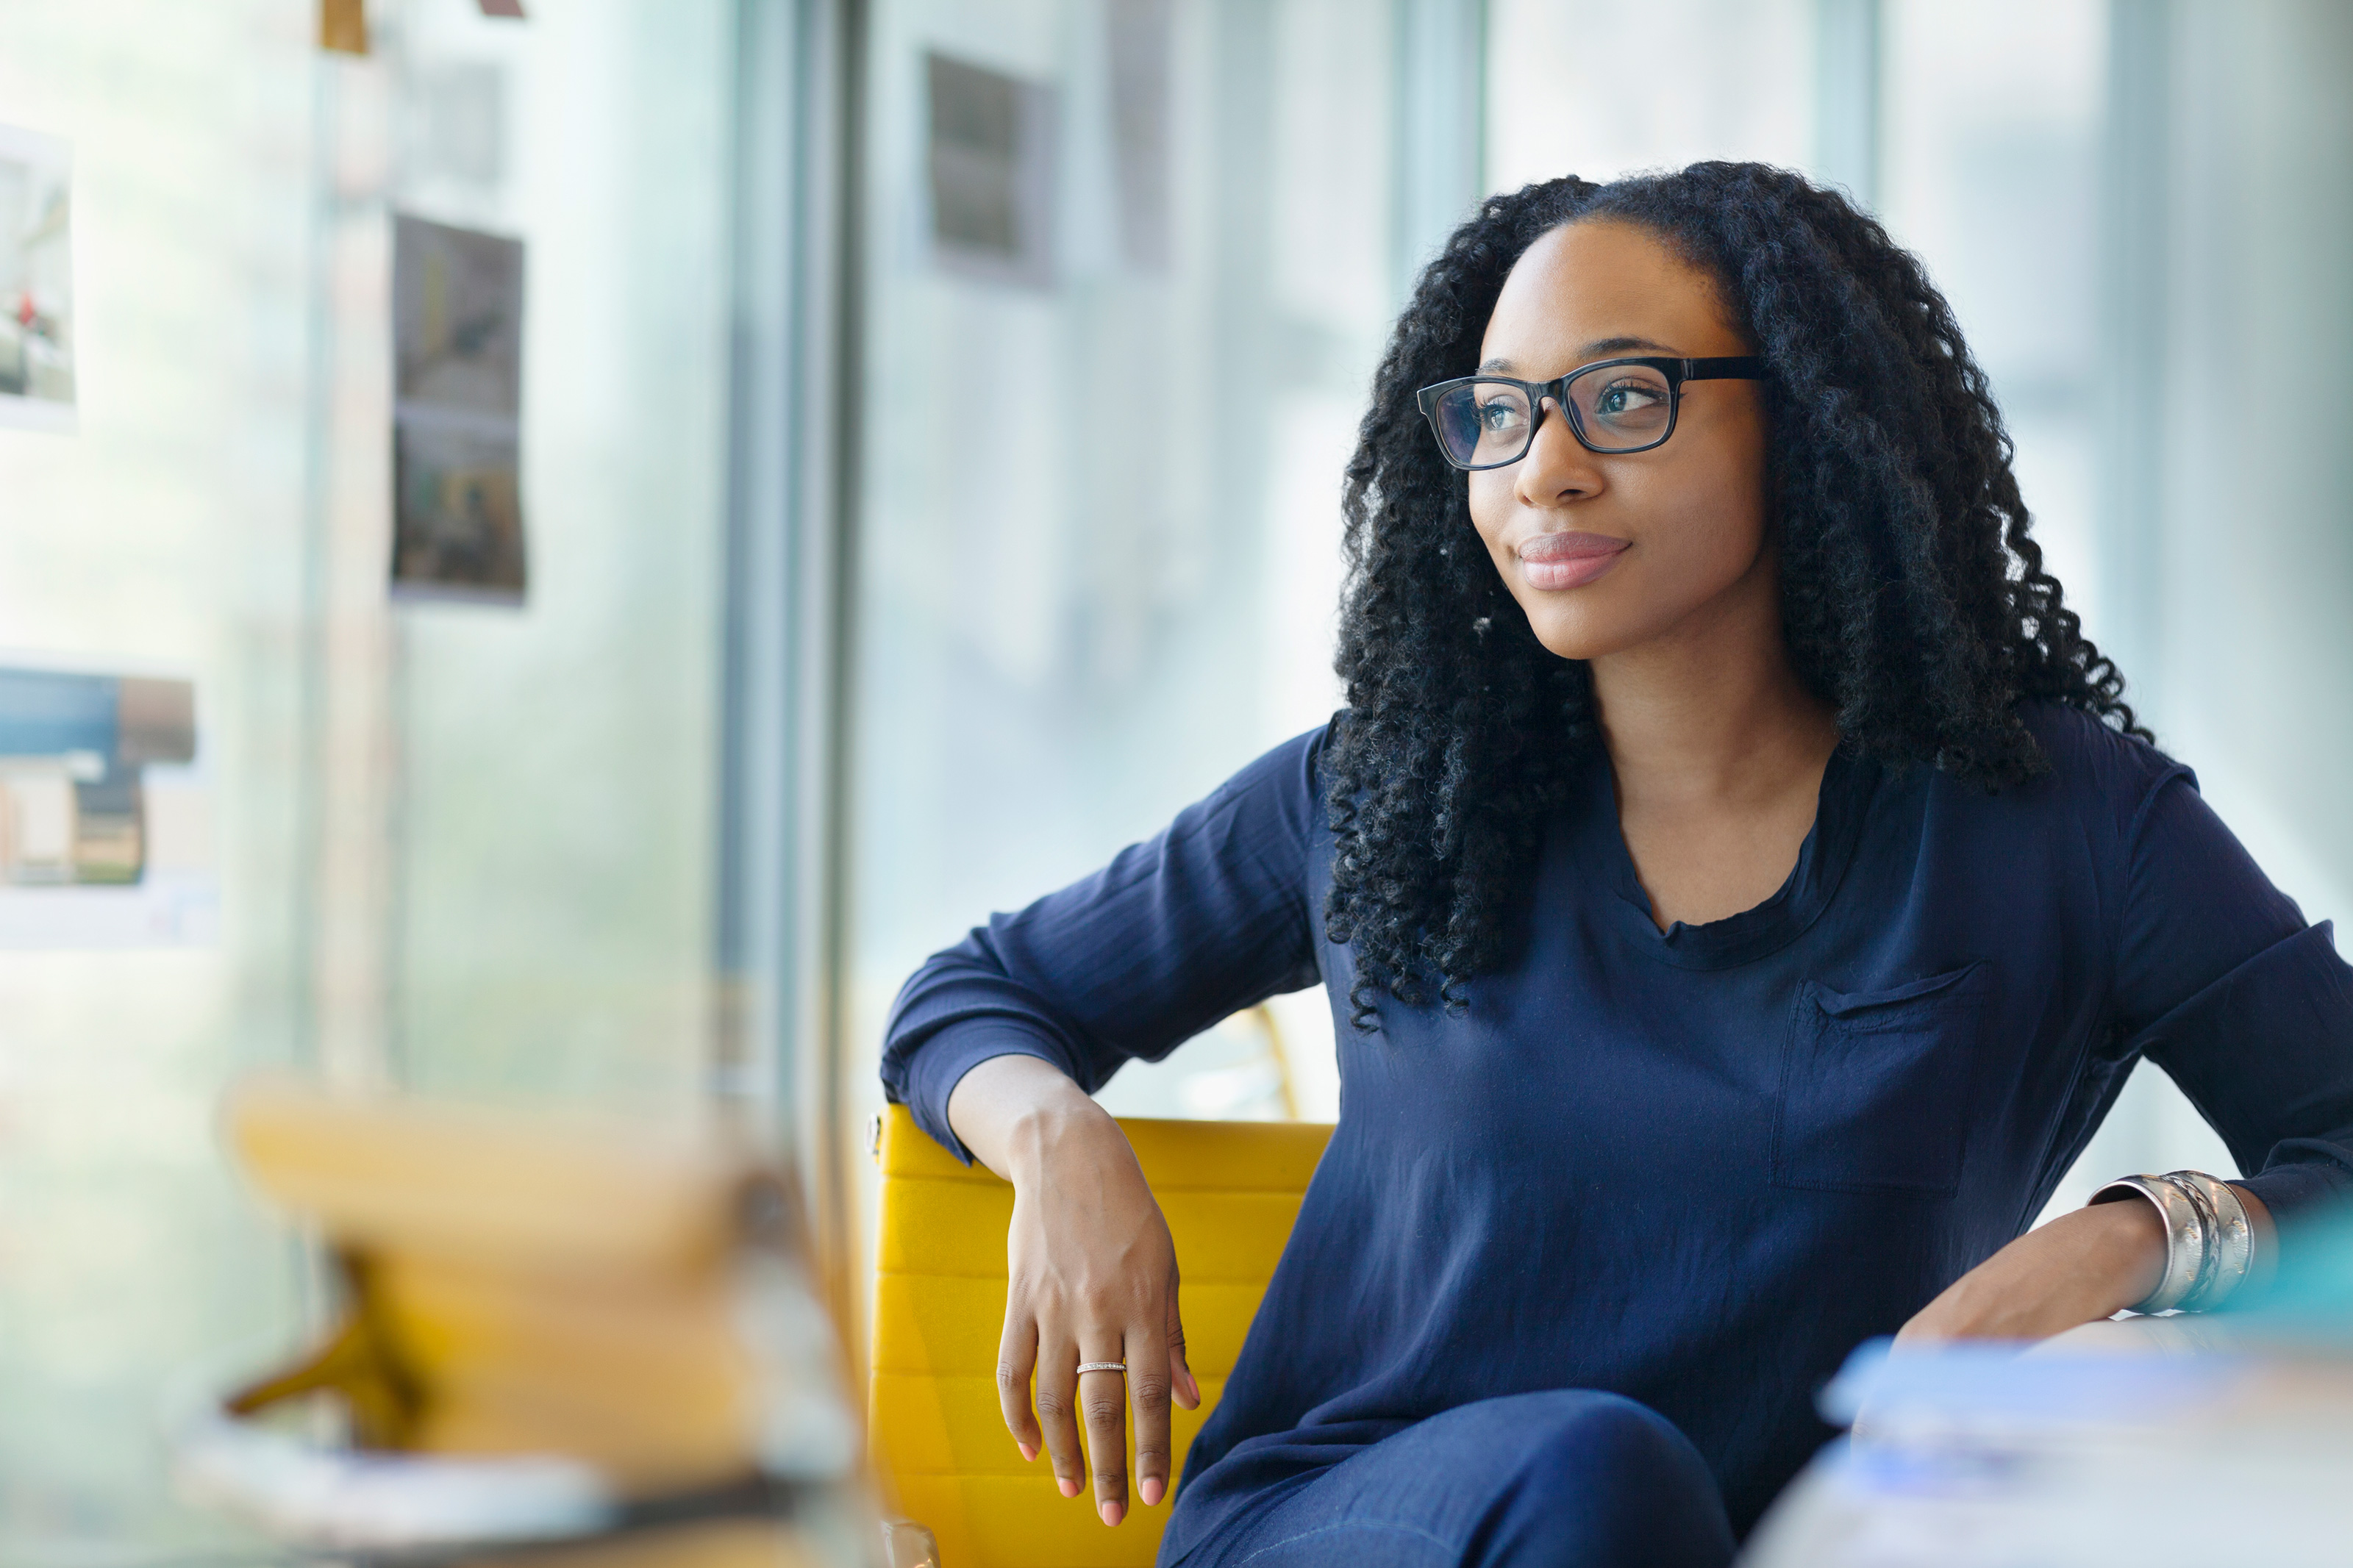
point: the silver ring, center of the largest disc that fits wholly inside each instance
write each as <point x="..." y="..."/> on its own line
<point x="1088" y="1366"/>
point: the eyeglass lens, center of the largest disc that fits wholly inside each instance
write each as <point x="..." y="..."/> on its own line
<point x="1617" y="408"/>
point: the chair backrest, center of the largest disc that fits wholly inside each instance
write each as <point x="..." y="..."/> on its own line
<point x="1230" y="1190"/>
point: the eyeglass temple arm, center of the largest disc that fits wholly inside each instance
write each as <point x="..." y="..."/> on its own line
<point x="1739" y="367"/>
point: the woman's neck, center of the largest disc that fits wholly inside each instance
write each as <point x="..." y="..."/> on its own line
<point x="1717" y="750"/>
<point x="1712" y="708"/>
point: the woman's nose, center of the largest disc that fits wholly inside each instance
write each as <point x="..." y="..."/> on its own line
<point x="1558" y="468"/>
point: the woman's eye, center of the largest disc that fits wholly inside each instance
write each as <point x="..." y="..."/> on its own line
<point x="1498" y="416"/>
<point x="1621" y="398"/>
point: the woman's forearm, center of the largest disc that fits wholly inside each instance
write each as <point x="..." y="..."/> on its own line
<point x="2079" y="1268"/>
<point x="1010" y="1110"/>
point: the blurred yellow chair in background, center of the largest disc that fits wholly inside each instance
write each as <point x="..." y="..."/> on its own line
<point x="1230" y="1190"/>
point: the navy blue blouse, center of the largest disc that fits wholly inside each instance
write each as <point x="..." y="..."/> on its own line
<point x="1695" y="1167"/>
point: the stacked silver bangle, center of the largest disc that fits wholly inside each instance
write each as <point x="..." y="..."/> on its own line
<point x="2209" y="1246"/>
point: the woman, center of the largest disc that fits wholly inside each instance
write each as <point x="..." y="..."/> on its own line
<point x="1742" y="891"/>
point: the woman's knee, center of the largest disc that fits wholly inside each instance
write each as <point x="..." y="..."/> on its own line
<point x="1585" y="1421"/>
<point x="1597" y="1477"/>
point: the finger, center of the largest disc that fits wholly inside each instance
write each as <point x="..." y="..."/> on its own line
<point x="1058" y="1390"/>
<point x="1148" y="1378"/>
<point x="1103" y="1409"/>
<point x="1180" y="1371"/>
<point x="1016" y="1357"/>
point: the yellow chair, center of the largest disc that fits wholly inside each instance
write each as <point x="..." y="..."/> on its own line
<point x="1230" y="1190"/>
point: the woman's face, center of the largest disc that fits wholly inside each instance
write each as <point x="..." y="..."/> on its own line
<point x="1607" y="552"/>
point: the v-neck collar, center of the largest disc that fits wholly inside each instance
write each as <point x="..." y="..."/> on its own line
<point x="1847" y="785"/>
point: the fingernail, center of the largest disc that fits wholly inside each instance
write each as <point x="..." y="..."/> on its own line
<point x="1028" y="1451"/>
<point x="1151" y="1489"/>
<point x="1070" y="1487"/>
<point x="1109" y="1511"/>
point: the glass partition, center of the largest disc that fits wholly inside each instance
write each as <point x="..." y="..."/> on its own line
<point x="165" y="537"/>
<point x="1990" y="149"/>
<point x="459" y="845"/>
<point x="1992" y="146"/>
<point x="1129" y="268"/>
<point x="551" y="889"/>
<point x="1578" y="86"/>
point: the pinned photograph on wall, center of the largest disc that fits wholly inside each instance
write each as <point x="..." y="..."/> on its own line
<point x="458" y="304"/>
<point x="105" y="823"/>
<point x="36" y="340"/>
<point x="991" y="153"/>
<point x="460" y="526"/>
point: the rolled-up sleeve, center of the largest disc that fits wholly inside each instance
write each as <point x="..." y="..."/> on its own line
<point x="2222" y="984"/>
<point x="1209" y="916"/>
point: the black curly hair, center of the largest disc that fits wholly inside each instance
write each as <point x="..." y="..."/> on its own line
<point x="1913" y="597"/>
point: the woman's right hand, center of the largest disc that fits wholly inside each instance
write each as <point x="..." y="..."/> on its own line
<point x="1092" y="1278"/>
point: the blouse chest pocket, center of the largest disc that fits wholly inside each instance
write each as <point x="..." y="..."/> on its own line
<point x="1875" y="1085"/>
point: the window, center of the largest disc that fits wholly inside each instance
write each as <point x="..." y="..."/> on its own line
<point x="458" y="846"/>
<point x="1099" y="541"/>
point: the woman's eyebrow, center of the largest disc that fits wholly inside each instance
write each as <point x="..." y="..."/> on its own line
<point x="1600" y="349"/>
<point x="1626" y="345"/>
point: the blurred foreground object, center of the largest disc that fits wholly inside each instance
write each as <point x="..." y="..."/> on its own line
<point x="342" y="26"/>
<point x="549" y="1331"/>
<point x="2141" y="1442"/>
<point x="1230" y="1191"/>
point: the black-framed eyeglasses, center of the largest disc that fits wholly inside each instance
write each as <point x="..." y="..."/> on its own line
<point x="1614" y="406"/>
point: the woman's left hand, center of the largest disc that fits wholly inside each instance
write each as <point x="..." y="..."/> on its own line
<point x="2080" y="1268"/>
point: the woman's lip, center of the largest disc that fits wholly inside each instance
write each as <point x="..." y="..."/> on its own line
<point x="1554" y="560"/>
